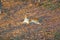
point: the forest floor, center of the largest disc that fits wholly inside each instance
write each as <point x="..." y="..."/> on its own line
<point x="13" y="12"/>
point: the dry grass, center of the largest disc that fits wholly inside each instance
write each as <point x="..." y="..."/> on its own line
<point x="47" y="12"/>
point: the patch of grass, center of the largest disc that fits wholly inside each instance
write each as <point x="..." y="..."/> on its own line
<point x="57" y="36"/>
<point x="49" y="5"/>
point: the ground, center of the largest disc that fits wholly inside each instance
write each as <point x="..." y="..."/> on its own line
<point x="47" y="12"/>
